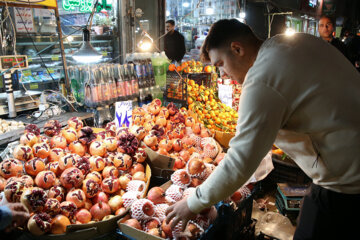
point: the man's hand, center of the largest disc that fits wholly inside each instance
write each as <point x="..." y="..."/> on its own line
<point x="179" y="212"/>
<point x="19" y="215"/>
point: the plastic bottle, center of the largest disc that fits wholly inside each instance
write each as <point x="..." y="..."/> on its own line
<point x="105" y="87"/>
<point x="139" y="70"/>
<point x="159" y="70"/>
<point x="120" y="84"/>
<point x="150" y="69"/>
<point x="127" y="80"/>
<point x="112" y="83"/>
<point x="134" y="81"/>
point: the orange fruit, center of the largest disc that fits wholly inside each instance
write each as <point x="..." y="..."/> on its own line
<point x="172" y="67"/>
<point x="208" y="69"/>
<point x="179" y="68"/>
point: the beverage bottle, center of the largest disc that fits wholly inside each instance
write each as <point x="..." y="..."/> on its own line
<point x="134" y="81"/>
<point x="127" y="82"/>
<point x="145" y="70"/>
<point x="112" y="84"/>
<point x="120" y="84"/>
<point x="148" y="96"/>
<point x="139" y="70"/>
<point x="150" y="69"/>
<point x="97" y="94"/>
<point x="90" y="90"/>
<point x="105" y="87"/>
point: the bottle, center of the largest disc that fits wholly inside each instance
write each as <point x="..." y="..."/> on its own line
<point x="96" y="93"/>
<point x="120" y="84"/>
<point x="139" y="70"/>
<point x="105" y="87"/>
<point x="127" y="82"/>
<point x="150" y="69"/>
<point x="112" y="83"/>
<point x="141" y="97"/>
<point x="159" y="69"/>
<point x="134" y="81"/>
<point x="145" y="70"/>
<point x="148" y="96"/>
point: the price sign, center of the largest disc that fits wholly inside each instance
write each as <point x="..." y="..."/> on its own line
<point x="123" y="114"/>
<point x="225" y="94"/>
<point x="54" y="57"/>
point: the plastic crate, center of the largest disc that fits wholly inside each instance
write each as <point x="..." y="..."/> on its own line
<point x="285" y="172"/>
<point x="176" y="88"/>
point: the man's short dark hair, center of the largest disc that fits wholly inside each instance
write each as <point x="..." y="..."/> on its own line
<point x="172" y="22"/>
<point x="224" y="32"/>
<point x="331" y="18"/>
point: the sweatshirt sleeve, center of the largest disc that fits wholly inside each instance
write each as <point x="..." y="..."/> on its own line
<point x="5" y="217"/>
<point x="261" y="113"/>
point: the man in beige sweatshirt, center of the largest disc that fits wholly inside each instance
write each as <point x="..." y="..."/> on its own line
<point x="302" y="94"/>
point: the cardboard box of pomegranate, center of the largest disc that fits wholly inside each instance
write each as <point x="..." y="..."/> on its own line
<point x="229" y="222"/>
<point x="90" y="230"/>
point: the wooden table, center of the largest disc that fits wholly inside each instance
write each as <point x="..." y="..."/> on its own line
<point x="63" y="118"/>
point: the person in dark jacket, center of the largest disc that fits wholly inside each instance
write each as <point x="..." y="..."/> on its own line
<point x="174" y="42"/>
<point x="326" y="30"/>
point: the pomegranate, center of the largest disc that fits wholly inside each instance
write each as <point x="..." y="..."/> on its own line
<point x="174" y="193"/>
<point x="137" y="119"/>
<point x="123" y="131"/>
<point x="196" y="128"/>
<point x="181" y="178"/>
<point x="71" y="178"/>
<point x="185" y="155"/>
<point x="160" y="211"/>
<point x="69" y="134"/>
<point x="219" y="158"/>
<point x="76" y="196"/>
<point x="68" y="209"/>
<point x="167" y="229"/>
<point x="28" y="139"/>
<point x="189" y="121"/>
<point x="56" y="154"/>
<point x="121" y="211"/>
<point x="52" y="206"/>
<point x="97" y="163"/>
<point x="164" y="112"/>
<point x="156" y="101"/>
<point x="196" y="182"/>
<point x="83" y="216"/>
<point x="162" y="151"/>
<point x="52" y="128"/>
<point x="33" y="129"/>
<point x="2" y="183"/>
<point x="27" y="180"/>
<point x="88" y="204"/>
<point x="59" y="223"/>
<point x="54" y="167"/>
<point x="133" y="223"/>
<point x="110" y="185"/>
<point x="148" y="125"/>
<point x="140" y="155"/>
<point x="124" y="180"/>
<point x="100" y="197"/>
<point x="77" y="148"/>
<point x="138" y="131"/>
<point x="196" y="167"/>
<point x="177" y="145"/>
<point x="179" y="163"/>
<point x="166" y="144"/>
<point x="110" y="144"/>
<point x="110" y="171"/>
<point x="194" y="229"/>
<point x="83" y="164"/>
<point x="34" y="199"/>
<point x="115" y="203"/>
<point x="34" y="166"/>
<point x="161" y="121"/>
<point x="150" y="140"/>
<point x="97" y="148"/>
<point x="156" y="195"/>
<point x="58" y="142"/>
<point x="45" y="179"/>
<point x="57" y="192"/>
<point x="41" y="150"/>
<point x="111" y="128"/>
<point x="96" y="176"/>
<point x="90" y="187"/>
<point x="13" y="191"/>
<point x="154" y="232"/>
<point x="68" y="161"/>
<point x="86" y="135"/>
<point x="23" y="152"/>
<point x="100" y="210"/>
<point x="122" y="161"/>
<point x="142" y="209"/>
<point x="39" y="224"/>
<point x="76" y="123"/>
<point x="11" y="168"/>
<point x="139" y="176"/>
<point x="137" y="167"/>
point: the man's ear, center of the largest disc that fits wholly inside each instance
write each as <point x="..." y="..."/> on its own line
<point x="237" y="48"/>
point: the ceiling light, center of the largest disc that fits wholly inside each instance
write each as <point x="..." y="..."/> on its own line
<point x="86" y="53"/>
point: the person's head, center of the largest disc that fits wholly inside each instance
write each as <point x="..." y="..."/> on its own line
<point x="232" y="46"/>
<point x="326" y="28"/>
<point x="170" y="26"/>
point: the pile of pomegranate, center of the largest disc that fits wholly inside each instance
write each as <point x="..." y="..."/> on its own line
<point x="173" y="132"/>
<point x="72" y="175"/>
<point x="149" y="214"/>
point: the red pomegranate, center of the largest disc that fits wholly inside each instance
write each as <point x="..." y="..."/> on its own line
<point x="41" y="150"/>
<point x="137" y="167"/>
<point x="11" y="168"/>
<point x="83" y="216"/>
<point x="151" y="223"/>
<point x="179" y="163"/>
<point x="181" y="178"/>
<point x="68" y="209"/>
<point x="142" y="209"/>
<point x="133" y="223"/>
<point x="13" y="191"/>
<point x="164" y="112"/>
<point x="195" y="167"/>
<point x="196" y="128"/>
<point x="124" y="180"/>
<point x="97" y="148"/>
<point x="69" y="134"/>
<point x="52" y="206"/>
<point x="56" y="154"/>
<point x="96" y="176"/>
<point x="97" y="163"/>
<point x="88" y="204"/>
<point x="59" y="223"/>
<point x="166" y="144"/>
<point x="156" y="195"/>
<point x="2" y="183"/>
<point x="27" y="180"/>
<point x="76" y="196"/>
<point x="28" y="139"/>
<point x="43" y="139"/>
<point x="189" y="121"/>
<point x="34" y="166"/>
<point x="122" y="161"/>
<point x="110" y="185"/>
<point x="23" y="152"/>
<point x="90" y="188"/>
<point x="58" y="141"/>
<point x="100" y="210"/>
<point x="167" y="229"/>
<point x="57" y="192"/>
<point x="150" y="140"/>
<point x="77" y="148"/>
<point x="219" y="158"/>
<point x="195" y="182"/>
<point x="76" y="123"/>
<point x="54" y="167"/>
<point x="148" y="125"/>
<point x="68" y="161"/>
<point x="34" y="199"/>
<point x="52" y="128"/>
<point x="161" y="121"/>
<point x="138" y="131"/>
<point x="110" y="171"/>
<point x="45" y="179"/>
<point x="139" y="176"/>
<point x="177" y="145"/>
<point x="110" y="144"/>
<point x="185" y="155"/>
<point x="121" y="211"/>
<point x="162" y="151"/>
<point x="39" y="224"/>
<point x="71" y="178"/>
<point x="100" y="197"/>
<point x="115" y="203"/>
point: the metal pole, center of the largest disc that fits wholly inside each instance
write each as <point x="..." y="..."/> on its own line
<point x="10" y="95"/>
<point x="63" y="58"/>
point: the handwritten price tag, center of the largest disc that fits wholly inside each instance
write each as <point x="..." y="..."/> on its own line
<point x="123" y="113"/>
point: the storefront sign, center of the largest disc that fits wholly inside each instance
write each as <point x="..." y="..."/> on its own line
<point x="24" y="20"/>
<point x="84" y="5"/>
<point x="48" y="3"/>
<point x="123" y="113"/>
